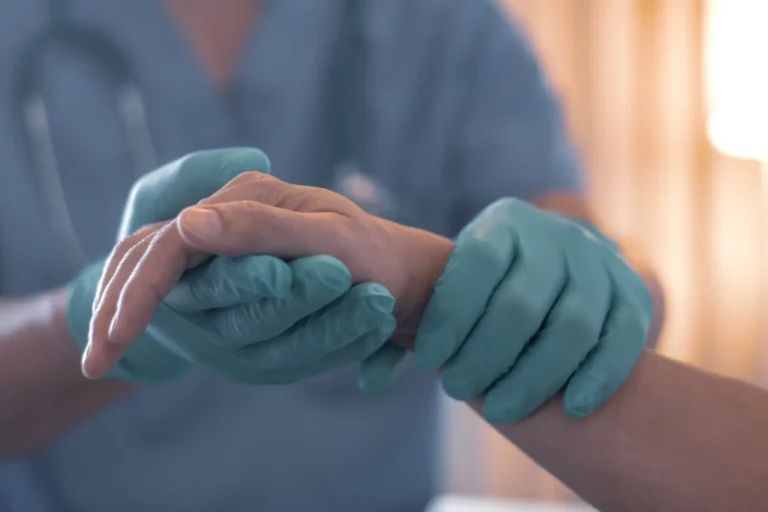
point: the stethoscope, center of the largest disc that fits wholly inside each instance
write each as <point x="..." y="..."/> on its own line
<point x="32" y="116"/>
<point x="348" y="126"/>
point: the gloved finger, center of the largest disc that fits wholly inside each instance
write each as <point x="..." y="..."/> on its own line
<point x="517" y="310"/>
<point x="379" y="370"/>
<point x="610" y="364"/>
<point x="143" y="362"/>
<point x="222" y="282"/>
<point x="100" y="355"/>
<point x="164" y="193"/>
<point x="482" y="256"/>
<point x="317" y="282"/>
<point x="353" y="352"/>
<point x="249" y="227"/>
<point x="153" y="277"/>
<point x="572" y="329"/>
<point x="365" y="307"/>
<point x="619" y="264"/>
<point x="630" y="281"/>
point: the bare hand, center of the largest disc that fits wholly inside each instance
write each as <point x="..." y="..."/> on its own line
<point x="258" y="214"/>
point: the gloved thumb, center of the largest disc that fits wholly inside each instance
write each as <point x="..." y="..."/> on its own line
<point x="163" y="193"/>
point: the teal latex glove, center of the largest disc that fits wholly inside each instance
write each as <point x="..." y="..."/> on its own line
<point x="254" y="319"/>
<point x="529" y="302"/>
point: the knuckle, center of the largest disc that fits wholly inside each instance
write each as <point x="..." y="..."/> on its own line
<point x="517" y="303"/>
<point x="572" y="233"/>
<point x="143" y="232"/>
<point x="631" y="285"/>
<point x="483" y="254"/>
<point x="642" y="293"/>
<point x="632" y="323"/>
<point x="250" y="177"/>
<point x="129" y="248"/>
<point x="511" y="205"/>
<point x="137" y="191"/>
<point x="275" y="193"/>
<point x="162" y="237"/>
<point x="577" y="322"/>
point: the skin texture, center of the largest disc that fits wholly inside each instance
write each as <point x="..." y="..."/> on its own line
<point x="672" y="438"/>
<point x="262" y="215"/>
<point x="35" y="341"/>
<point x="144" y="267"/>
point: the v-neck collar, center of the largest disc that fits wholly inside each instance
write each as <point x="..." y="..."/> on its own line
<point x="180" y="41"/>
<point x="249" y="43"/>
<point x="275" y="90"/>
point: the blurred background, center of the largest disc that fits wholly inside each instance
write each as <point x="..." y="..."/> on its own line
<point x="666" y="99"/>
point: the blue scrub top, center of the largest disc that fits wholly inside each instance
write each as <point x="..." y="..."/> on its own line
<point x="458" y="114"/>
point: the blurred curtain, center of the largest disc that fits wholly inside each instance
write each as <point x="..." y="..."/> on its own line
<point x="630" y="73"/>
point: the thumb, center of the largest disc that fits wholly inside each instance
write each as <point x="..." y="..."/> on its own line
<point x="249" y="227"/>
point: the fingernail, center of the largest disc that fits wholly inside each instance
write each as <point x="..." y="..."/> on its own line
<point x="202" y="222"/>
<point x="87" y="364"/>
<point x="384" y="302"/>
<point x="587" y="397"/>
<point x="111" y="333"/>
<point x="461" y="389"/>
<point x="508" y="410"/>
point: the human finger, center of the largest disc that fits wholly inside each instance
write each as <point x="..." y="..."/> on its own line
<point x="572" y="329"/>
<point x="223" y="282"/>
<point x="482" y="257"/>
<point x="116" y="257"/>
<point x="161" y="194"/>
<point x="318" y="281"/>
<point x="141" y="288"/>
<point x="249" y="227"/>
<point x="351" y="353"/>
<point x="364" y="308"/>
<point x="99" y="355"/>
<point x="516" y="311"/>
<point x="611" y="363"/>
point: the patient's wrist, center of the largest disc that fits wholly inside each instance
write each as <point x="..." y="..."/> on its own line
<point x="423" y="256"/>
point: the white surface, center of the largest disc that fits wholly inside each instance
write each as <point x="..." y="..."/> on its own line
<point x="737" y="34"/>
<point x="471" y="504"/>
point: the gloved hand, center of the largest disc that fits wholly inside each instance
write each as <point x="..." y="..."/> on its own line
<point x="528" y="303"/>
<point x="291" y="313"/>
<point x="263" y="215"/>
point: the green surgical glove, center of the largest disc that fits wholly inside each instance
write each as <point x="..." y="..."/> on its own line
<point x="255" y="319"/>
<point x="530" y="302"/>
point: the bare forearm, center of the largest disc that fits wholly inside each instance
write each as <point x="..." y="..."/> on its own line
<point x="672" y="438"/>
<point x="42" y="390"/>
